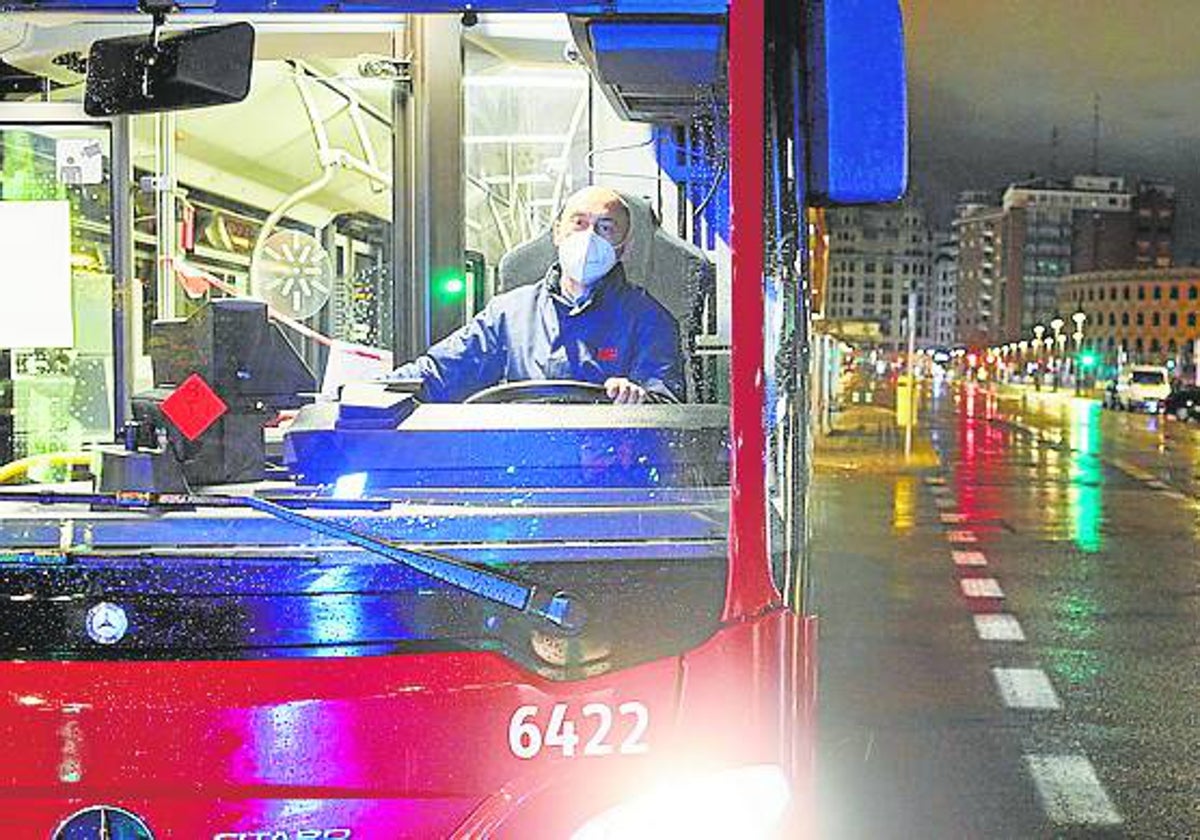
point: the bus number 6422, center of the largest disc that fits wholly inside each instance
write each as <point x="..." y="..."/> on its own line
<point x="621" y="732"/>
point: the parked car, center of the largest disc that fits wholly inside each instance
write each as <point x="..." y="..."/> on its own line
<point x="1142" y="388"/>
<point x="1184" y="403"/>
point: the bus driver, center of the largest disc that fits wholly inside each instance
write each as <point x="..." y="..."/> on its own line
<point x="583" y="320"/>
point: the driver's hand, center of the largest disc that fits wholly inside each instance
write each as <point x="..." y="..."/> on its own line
<point x="623" y="392"/>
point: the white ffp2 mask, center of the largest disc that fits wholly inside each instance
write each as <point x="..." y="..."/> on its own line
<point x="586" y="256"/>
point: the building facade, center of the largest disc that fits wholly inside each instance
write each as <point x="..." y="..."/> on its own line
<point x="1137" y="316"/>
<point x="1044" y="221"/>
<point x="945" y="289"/>
<point x="1014" y="255"/>
<point x="1154" y="225"/>
<point x="878" y="256"/>
<point x="979" y="236"/>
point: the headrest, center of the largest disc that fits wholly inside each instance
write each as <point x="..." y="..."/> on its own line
<point x="675" y="272"/>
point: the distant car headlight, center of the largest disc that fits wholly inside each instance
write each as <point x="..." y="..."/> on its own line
<point x="746" y="802"/>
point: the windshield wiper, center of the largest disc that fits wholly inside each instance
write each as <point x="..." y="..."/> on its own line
<point x="560" y="609"/>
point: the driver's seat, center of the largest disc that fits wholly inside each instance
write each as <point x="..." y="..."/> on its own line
<point x="675" y="272"/>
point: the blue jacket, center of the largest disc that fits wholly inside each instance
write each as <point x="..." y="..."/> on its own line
<point x="535" y="332"/>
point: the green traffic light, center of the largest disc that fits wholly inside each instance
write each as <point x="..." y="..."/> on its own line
<point x="1087" y="360"/>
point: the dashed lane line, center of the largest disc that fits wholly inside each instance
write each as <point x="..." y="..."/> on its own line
<point x="1025" y="688"/>
<point x="953" y="518"/>
<point x="1070" y="791"/>
<point x="999" y="627"/>
<point x="962" y="537"/>
<point x="968" y="558"/>
<point x="981" y="587"/>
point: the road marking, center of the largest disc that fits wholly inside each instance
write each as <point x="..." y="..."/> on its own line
<point x="934" y="479"/>
<point x="968" y="558"/>
<point x="1025" y="688"/>
<point x="961" y="537"/>
<point x="981" y="587"/>
<point x="1177" y="496"/>
<point x="939" y="489"/>
<point x="954" y="518"/>
<point x="1070" y="791"/>
<point x="999" y="627"/>
<point x="1155" y="484"/>
<point x="943" y="503"/>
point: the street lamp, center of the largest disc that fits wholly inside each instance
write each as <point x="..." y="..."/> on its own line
<point x="1078" y="318"/>
<point x="1038" y="332"/>
<point x="1056" y="365"/>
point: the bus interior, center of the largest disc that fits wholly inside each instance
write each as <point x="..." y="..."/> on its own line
<point x="385" y="176"/>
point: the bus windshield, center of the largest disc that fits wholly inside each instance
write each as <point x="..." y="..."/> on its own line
<point x="424" y="338"/>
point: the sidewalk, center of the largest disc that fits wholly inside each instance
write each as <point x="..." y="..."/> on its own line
<point x="866" y="438"/>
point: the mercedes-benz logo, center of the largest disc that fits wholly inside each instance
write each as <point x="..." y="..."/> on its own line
<point x="107" y="623"/>
<point x="103" y="822"/>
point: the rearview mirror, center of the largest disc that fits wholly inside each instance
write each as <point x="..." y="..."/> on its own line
<point x="193" y="69"/>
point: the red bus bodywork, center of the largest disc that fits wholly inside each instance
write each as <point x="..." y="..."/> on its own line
<point x="402" y="746"/>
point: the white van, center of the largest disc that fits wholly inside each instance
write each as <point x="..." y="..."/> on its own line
<point x="1143" y="387"/>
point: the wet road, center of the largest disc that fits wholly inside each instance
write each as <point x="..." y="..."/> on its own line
<point x="1009" y="643"/>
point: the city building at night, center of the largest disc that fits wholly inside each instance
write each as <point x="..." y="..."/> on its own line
<point x="945" y="288"/>
<point x="978" y="232"/>
<point x="1039" y="231"/>
<point x="1153" y="225"/>
<point x="1142" y="315"/>
<point x="878" y="255"/>
<point x="1014" y="254"/>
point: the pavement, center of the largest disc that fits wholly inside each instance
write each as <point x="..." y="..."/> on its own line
<point x="867" y="438"/>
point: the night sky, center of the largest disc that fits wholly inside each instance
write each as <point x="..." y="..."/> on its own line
<point x="990" y="79"/>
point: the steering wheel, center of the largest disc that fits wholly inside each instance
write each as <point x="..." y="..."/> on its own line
<point x="569" y="391"/>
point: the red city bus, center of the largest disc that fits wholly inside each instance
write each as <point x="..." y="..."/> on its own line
<point x="530" y="614"/>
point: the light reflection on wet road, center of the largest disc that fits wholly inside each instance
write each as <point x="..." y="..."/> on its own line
<point x="1081" y="583"/>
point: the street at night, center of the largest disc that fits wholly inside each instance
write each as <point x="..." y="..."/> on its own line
<point x="1009" y="638"/>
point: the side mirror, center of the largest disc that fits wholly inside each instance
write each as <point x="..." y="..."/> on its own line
<point x="194" y="69"/>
